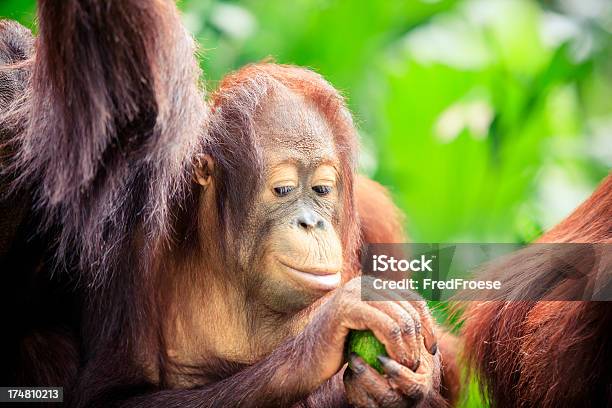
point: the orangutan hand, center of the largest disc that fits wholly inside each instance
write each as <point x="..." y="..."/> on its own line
<point x="400" y="386"/>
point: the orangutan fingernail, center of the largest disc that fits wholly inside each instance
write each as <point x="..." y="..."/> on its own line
<point x="354" y="364"/>
<point x="434" y="348"/>
<point x="383" y="359"/>
<point x="388" y="365"/>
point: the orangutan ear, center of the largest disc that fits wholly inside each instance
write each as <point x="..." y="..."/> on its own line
<point x="203" y="168"/>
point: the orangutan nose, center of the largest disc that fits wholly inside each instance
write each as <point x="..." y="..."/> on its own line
<point x="309" y="220"/>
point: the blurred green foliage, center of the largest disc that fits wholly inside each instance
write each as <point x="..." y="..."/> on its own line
<point x="488" y="119"/>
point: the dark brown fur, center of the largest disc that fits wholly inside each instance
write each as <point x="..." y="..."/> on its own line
<point x="40" y="347"/>
<point x="106" y="112"/>
<point x="16" y="47"/>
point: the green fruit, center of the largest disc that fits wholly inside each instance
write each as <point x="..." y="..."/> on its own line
<point x="365" y="345"/>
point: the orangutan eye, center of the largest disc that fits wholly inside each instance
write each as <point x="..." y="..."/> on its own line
<point x="282" y="191"/>
<point x="322" y="190"/>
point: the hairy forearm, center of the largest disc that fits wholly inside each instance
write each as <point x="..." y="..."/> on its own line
<point x="118" y="72"/>
<point x="276" y="380"/>
<point x="115" y="93"/>
<point x="330" y="394"/>
<point x="245" y="389"/>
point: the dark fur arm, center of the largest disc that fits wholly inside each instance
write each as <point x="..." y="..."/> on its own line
<point x="113" y="120"/>
<point x="16" y="46"/>
<point x="115" y="105"/>
<point x="282" y="379"/>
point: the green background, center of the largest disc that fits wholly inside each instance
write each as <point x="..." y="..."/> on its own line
<point x="489" y="120"/>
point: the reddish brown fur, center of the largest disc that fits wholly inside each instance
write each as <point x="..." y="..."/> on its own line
<point x="451" y="374"/>
<point x="552" y="353"/>
<point x="382" y="221"/>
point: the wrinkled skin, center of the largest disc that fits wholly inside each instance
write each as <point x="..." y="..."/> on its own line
<point x="296" y="212"/>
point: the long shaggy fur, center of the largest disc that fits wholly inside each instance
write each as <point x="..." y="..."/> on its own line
<point x="103" y="136"/>
<point x="549" y="353"/>
<point x="113" y="120"/>
<point x="16" y="48"/>
<point x="372" y="200"/>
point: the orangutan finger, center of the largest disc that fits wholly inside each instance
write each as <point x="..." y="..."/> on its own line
<point x="364" y="316"/>
<point x="363" y="378"/>
<point x="427" y="326"/>
<point x="408" y="326"/>
<point x="357" y="380"/>
<point x="409" y="383"/>
<point x="414" y="304"/>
